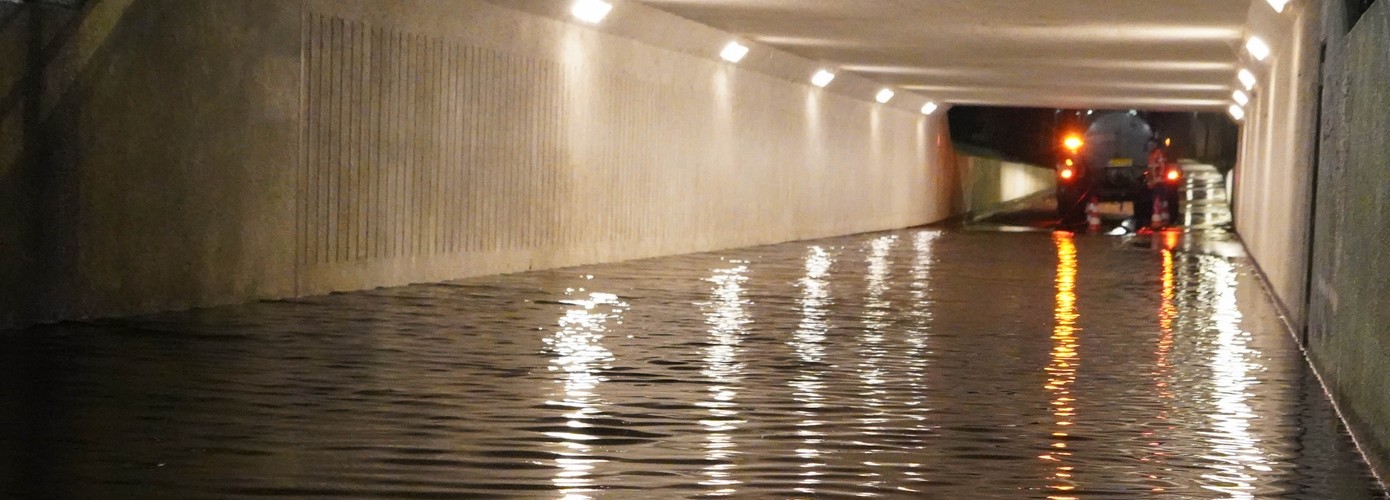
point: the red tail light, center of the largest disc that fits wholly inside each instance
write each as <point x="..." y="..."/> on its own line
<point x="1067" y="174"/>
<point x="1174" y="175"/>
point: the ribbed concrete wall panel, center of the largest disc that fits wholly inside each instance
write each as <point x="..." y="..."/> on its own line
<point x="186" y="153"/>
<point x="433" y="153"/>
<point x="1349" y="336"/>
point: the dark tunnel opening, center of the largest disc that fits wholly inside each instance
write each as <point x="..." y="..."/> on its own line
<point x="1033" y="135"/>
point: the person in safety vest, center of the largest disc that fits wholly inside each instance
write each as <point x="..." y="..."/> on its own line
<point x="1154" y="177"/>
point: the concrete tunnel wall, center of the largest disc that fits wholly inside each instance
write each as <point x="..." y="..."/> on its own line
<point x="990" y="184"/>
<point x="166" y="154"/>
<point x="1313" y="198"/>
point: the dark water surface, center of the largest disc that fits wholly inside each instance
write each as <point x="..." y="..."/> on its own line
<point x="912" y="364"/>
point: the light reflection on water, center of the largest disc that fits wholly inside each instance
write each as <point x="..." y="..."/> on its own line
<point x="581" y="359"/>
<point x="1163" y="369"/>
<point x="872" y="349"/>
<point x="809" y="344"/>
<point x="727" y="317"/>
<point x="908" y="364"/>
<point x="1061" y="373"/>
<point x="1235" y="455"/>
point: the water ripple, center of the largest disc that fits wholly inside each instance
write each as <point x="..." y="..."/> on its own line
<point x="908" y="364"/>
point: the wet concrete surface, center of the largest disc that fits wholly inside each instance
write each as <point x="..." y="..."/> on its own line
<point x="945" y="362"/>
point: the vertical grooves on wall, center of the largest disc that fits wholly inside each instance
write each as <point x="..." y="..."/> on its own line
<point x="433" y="165"/>
<point x="355" y="198"/>
<point x="455" y="140"/>
<point x="380" y="134"/>
<point x="302" y="169"/>
<point x="478" y="184"/>
<point x="349" y="146"/>
<point x="308" y="106"/>
<point x="504" y="218"/>
<point x="347" y="188"/>
<point x="334" y="146"/>
<point x="426" y="130"/>
<point x="400" y="149"/>
<point x="409" y="204"/>
<point x="423" y="152"/>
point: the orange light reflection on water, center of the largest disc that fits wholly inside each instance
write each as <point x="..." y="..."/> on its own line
<point x="1163" y="370"/>
<point x="1061" y="372"/>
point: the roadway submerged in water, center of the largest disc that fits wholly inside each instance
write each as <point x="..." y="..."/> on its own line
<point x="918" y="363"/>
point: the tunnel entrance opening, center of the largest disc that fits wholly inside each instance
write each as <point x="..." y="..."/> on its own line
<point x="1124" y="169"/>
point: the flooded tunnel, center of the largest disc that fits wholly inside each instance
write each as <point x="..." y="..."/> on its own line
<point x="945" y="361"/>
<point x="753" y="249"/>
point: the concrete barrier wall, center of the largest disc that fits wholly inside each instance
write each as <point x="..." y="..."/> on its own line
<point x="1313" y="200"/>
<point x="990" y="184"/>
<point x="1349" y="323"/>
<point x="219" y="151"/>
<point x="156" y="145"/>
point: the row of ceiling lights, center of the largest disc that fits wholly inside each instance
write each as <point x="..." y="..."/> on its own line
<point x="593" y="12"/>
<point x="1259" y="50"/>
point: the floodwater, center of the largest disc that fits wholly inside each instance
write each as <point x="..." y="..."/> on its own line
<point x="922" y="363"/>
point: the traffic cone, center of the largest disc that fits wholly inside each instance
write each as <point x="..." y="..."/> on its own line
<point x="1158" y="220"/>
<point x="1092" y="215"/>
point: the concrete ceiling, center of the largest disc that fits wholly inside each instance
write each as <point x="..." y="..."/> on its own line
<point x="1149" y="54"/>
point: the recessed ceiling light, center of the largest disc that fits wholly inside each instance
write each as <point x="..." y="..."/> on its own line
<point x="1236" y="112"/>
<point x="929" y="108"/>
<point x="822" y="78"/>
<point x="1278" y="4"/>
<point x="1241" y="97"/>
<point x="1258" y="48"/>
<point x="734" y="52"/>
<point x="885" y="95"/>
<point x="591" y="11"/>
<point x="1247" y="79"/>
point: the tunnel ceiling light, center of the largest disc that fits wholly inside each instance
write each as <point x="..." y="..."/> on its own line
<point x="885" y="95"/>
<point x="1236" y="112"/>
<point x="929" y="108"/>
<point x="1258" y="48"/>
<point x="1241" y="97"/>
<point x="1247" y="79"/>
<point x="591" y="11"/>
<point x="1278" y="5"/>
<point x="822" y="78"/>
<point x="734" y="52"/>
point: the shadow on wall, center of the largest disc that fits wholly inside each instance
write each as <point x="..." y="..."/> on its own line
<point x="37" y="193"/>
<point x="122" y="120"/>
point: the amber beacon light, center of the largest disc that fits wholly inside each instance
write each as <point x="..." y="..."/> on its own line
<point x="1073" y="143"/>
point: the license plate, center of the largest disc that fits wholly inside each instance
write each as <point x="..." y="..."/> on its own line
<point x="1122" y="162"/>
